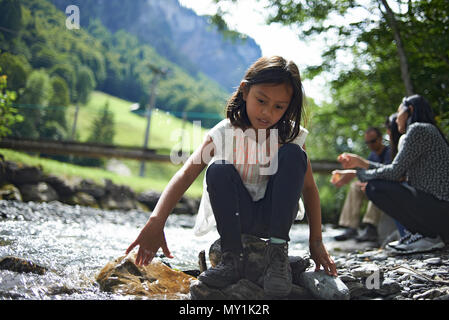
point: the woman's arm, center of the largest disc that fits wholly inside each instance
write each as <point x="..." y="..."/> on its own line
<point x="152" y="236"/>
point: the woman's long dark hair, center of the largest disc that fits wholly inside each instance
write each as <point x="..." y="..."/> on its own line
<point x="422" y="112"/>
<point x="394" y="133"/>
<point x="271" y="70"/>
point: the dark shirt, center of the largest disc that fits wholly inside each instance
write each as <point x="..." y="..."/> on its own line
<point x="384" y="157"/>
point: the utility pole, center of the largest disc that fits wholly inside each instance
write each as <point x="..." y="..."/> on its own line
<point x="158" y="73"/>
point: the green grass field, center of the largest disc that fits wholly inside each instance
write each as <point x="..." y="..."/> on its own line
<point x="130" y="128"/>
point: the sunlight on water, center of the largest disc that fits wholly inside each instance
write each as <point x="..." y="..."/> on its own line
<point x="75" y="243"/>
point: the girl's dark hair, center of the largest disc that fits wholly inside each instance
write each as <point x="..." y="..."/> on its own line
<point x="422" y="112"/>
<point x="392" y="126"/>
<point x="271" y="70"/>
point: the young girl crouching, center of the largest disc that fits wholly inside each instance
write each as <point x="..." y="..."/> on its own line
<point x="257" y="169"/>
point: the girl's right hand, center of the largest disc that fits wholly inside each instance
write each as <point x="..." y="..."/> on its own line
<point x="150" y="239"/>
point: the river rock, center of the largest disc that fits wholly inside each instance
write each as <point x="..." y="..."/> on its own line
<point x="323" y="286"/>
<point x="10" y="192"/>
<point x="155" y="280"/>
<point x="81" y="199"/>
<point x="90" y="187"/>
<point x="21" y="265"/>
<point x="61" y="186"/>
<point x="19" y="174"/>
<point x="39" y="192"/>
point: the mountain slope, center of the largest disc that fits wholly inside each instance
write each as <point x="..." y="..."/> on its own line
<point x="176" y="33"/>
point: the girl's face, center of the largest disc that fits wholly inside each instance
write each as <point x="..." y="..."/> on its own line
<point x="401" y="120"/>
<point x="267" y="103"/>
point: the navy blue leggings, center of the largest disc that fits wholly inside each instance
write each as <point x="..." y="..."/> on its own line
<point x="272" y="216"/>
<point x="416" y="210"/>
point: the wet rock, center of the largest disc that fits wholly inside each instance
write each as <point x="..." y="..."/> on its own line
<point x="199" y="291"/>
<point x="433" y="261"/>
<point x="10" y="192"/>
<point x="61" y="186"/>
<point x="323" y="286"/>
<point x="388" y="287"/>
<point x="90" y="187"/>
<point x="81" y="199"/>
<point x="117" y="197"/>
<point x="155" y="280"/>
<point x="39" y="192"/>
<point x="430" y="294"/>
<point x="21" y="265"/>
<point x="19" y="174"/>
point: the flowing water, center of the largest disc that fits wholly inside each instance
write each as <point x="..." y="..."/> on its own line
<point x="75" y="243"/>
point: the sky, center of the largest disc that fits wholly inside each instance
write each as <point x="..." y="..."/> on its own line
<point x="248" y="17"/>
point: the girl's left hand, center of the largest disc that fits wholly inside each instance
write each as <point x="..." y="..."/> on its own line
<point x="321" y="257"/>
<point x="342" y="177"/>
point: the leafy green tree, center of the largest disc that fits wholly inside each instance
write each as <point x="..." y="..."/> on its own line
<point x="102" y="132"/>
<point x="54" y="124"/>
<point x="10" y="18"/>
<point x="85" y="84"/>
<point x="35" y="98"/>
<point x="8" y="114"/>
<point x="16" y="68"/>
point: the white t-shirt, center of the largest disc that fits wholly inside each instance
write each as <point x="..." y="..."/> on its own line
<point x="249" y="165"/>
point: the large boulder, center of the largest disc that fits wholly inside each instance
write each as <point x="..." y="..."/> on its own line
<point x="19" y="174"/>
<point x="90" y="187"/>
<point x="156" y="281"/>
<point x="117" y="197"/>
<point x="63" y="187"/>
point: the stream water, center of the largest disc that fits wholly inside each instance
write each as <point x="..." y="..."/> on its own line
<point x="75" y="243"/>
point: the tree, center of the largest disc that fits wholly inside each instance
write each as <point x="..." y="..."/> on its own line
<point x="17" y="70"/>
<point x="10" y="18"/>
<point x="35" y="98"/>
<point x="85" y="84"/>
<point x="8" y="114"/>
<point x="102" y="131"/>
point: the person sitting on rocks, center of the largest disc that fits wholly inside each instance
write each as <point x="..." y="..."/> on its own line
<point x="421" y="202"/>
<point x="350" y="214"/>
<point x="247" y="191"/>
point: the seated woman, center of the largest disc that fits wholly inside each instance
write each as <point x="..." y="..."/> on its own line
<point x="421" y="202"/>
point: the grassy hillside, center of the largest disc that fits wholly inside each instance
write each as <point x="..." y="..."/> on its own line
<point x="130" y="128"/>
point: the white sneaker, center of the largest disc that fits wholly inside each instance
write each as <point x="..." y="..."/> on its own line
<point x="393" y="244"/>
<point x="418" y="243"/>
